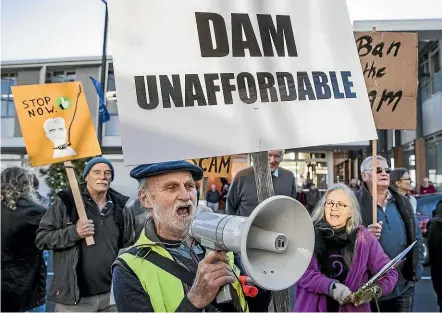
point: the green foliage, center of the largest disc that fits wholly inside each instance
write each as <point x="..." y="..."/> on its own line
<point x="56" y="177"/>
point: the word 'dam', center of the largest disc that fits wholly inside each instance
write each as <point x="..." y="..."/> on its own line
<point x="389" y="65"/>
<point x="199" y="79"/>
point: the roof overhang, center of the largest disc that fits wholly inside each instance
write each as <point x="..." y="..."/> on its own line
<point x="427" y="29"/>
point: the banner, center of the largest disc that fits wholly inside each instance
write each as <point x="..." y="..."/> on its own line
<point x="200" y="78"/>
<point x="389" y="63"/>
<point x="55" y="122"/>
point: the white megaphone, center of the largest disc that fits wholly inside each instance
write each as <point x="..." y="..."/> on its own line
<point x="275" y="242"/>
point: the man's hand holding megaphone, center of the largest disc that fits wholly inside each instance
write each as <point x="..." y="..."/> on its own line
<point x="213" y="273"/>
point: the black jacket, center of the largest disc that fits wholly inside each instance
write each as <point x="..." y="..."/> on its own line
<point x="58" y="232"/>
<point x="140" y="214"/>
<point x="434" y="240"/>
<point x="23" y="267"/>
<point x="409" y="270"/>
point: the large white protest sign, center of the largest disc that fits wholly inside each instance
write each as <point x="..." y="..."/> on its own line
<point x="202" y="78"/>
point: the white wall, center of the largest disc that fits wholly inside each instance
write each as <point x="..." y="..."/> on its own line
<point x="432" y="113"/>
<point x="407" y="136"/>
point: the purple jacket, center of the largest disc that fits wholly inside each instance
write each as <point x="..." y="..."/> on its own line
<point x="312" y="288"/>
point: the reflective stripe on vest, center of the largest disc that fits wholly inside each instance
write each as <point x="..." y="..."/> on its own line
<point x="165" y="290"/>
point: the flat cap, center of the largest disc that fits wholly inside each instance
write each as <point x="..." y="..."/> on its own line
<point x="147" y="170"/>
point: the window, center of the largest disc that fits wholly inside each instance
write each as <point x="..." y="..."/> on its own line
<point x="431" y="74"/>
<point x="307" y="167"/>
<point x="60" y="77"/>
<point x="111" y="128"/>
<point x="7" y="105"/>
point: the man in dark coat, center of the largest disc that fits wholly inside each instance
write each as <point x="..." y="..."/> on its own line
<point x="82" y="277"/>
<point x="396" y="228"/>
<point x="434" y="240"/>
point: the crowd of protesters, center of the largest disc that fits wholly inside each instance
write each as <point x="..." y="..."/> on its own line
<point x="349" y="246"/>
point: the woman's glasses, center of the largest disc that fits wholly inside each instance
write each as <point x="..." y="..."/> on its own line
<point x="339" y="205"/>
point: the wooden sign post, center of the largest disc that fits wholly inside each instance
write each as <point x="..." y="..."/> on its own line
<point x="264" y="188"/>
<point x="77" y="196"/>
<point x="374" y="152"/>
<point x="374" y="181"/>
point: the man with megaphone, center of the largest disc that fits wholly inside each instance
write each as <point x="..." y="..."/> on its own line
<point x="167" y="270"/>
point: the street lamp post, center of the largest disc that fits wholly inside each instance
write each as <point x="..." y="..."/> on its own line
<point x="103" y="69"/>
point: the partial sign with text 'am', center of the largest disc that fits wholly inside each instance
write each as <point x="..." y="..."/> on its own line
<point x="389" y="64"/>
<point x="55" y="122"/>
<point x="215" y="166"/>
<point x="203" y="78"/>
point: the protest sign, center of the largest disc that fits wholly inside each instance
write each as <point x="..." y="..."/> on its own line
<point x="55" y="122"/>
<point x="260" y="75"/>
<point x="389" y="63"/>
<point x="57" y="127"/>
<point x="215" y="166"/>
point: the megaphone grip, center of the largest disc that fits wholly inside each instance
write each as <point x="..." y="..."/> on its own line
<point x="223" y="295"/>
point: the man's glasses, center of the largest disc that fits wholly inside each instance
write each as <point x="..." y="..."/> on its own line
<point x="380" y="169"/>
<point x="330" y="204"/>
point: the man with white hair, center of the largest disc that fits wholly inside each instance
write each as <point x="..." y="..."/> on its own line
<point x="55" y="129"/>
<point x="167" y="270"/>
<point x="396" y="228"/>
<point x="82" y="277"/>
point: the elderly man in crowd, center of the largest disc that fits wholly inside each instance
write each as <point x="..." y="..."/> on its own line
<point x="167" y="270"/>
<point x="82" y="277"/>
<point x="396" y="228"/>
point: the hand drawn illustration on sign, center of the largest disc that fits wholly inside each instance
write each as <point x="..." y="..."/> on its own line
<point x="55" y="122"/>
<point x="55" y="129"/>
<point x="261" y="75"/>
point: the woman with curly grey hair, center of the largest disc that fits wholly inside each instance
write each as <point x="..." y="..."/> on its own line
<point x="344" y="256"/>
<point x="23" y="285"/>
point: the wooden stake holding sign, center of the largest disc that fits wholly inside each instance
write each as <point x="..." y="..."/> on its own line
<point x="77" y="197"/>
<point x="264" y="189"/>
<point x="57" y="127"/>
<point x="374" y="181"/>
<point x="374" y="150"/>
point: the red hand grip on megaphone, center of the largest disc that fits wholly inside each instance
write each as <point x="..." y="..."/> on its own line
<point x="249" y="291"/>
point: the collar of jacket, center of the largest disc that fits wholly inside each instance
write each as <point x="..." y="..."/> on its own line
<point x="150" y="232"/>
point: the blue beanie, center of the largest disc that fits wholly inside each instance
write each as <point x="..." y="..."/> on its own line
<point x="94" y="161"/>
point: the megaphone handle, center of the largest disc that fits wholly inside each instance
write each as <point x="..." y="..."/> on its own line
<point x="223" y="295"/>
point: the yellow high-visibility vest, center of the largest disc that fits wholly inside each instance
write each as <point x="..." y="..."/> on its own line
<point x="164" y="289"/>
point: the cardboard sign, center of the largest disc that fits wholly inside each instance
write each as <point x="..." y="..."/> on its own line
<point x="389" y="63"/>
<point x="226" y="77"/>
<point x="215" y="166"/>
<point x="55" y="122"/>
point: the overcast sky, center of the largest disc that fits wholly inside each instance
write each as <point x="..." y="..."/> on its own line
<point x="36" y="29"/>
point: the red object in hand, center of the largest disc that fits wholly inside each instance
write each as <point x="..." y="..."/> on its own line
<point x="249" y="291"/>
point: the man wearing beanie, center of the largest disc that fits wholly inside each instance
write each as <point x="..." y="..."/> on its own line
<point x="82" y="276"/>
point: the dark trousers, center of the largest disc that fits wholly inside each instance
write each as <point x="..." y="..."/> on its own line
<point x="403" y="303"/>
<point x="261" y="302"/>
